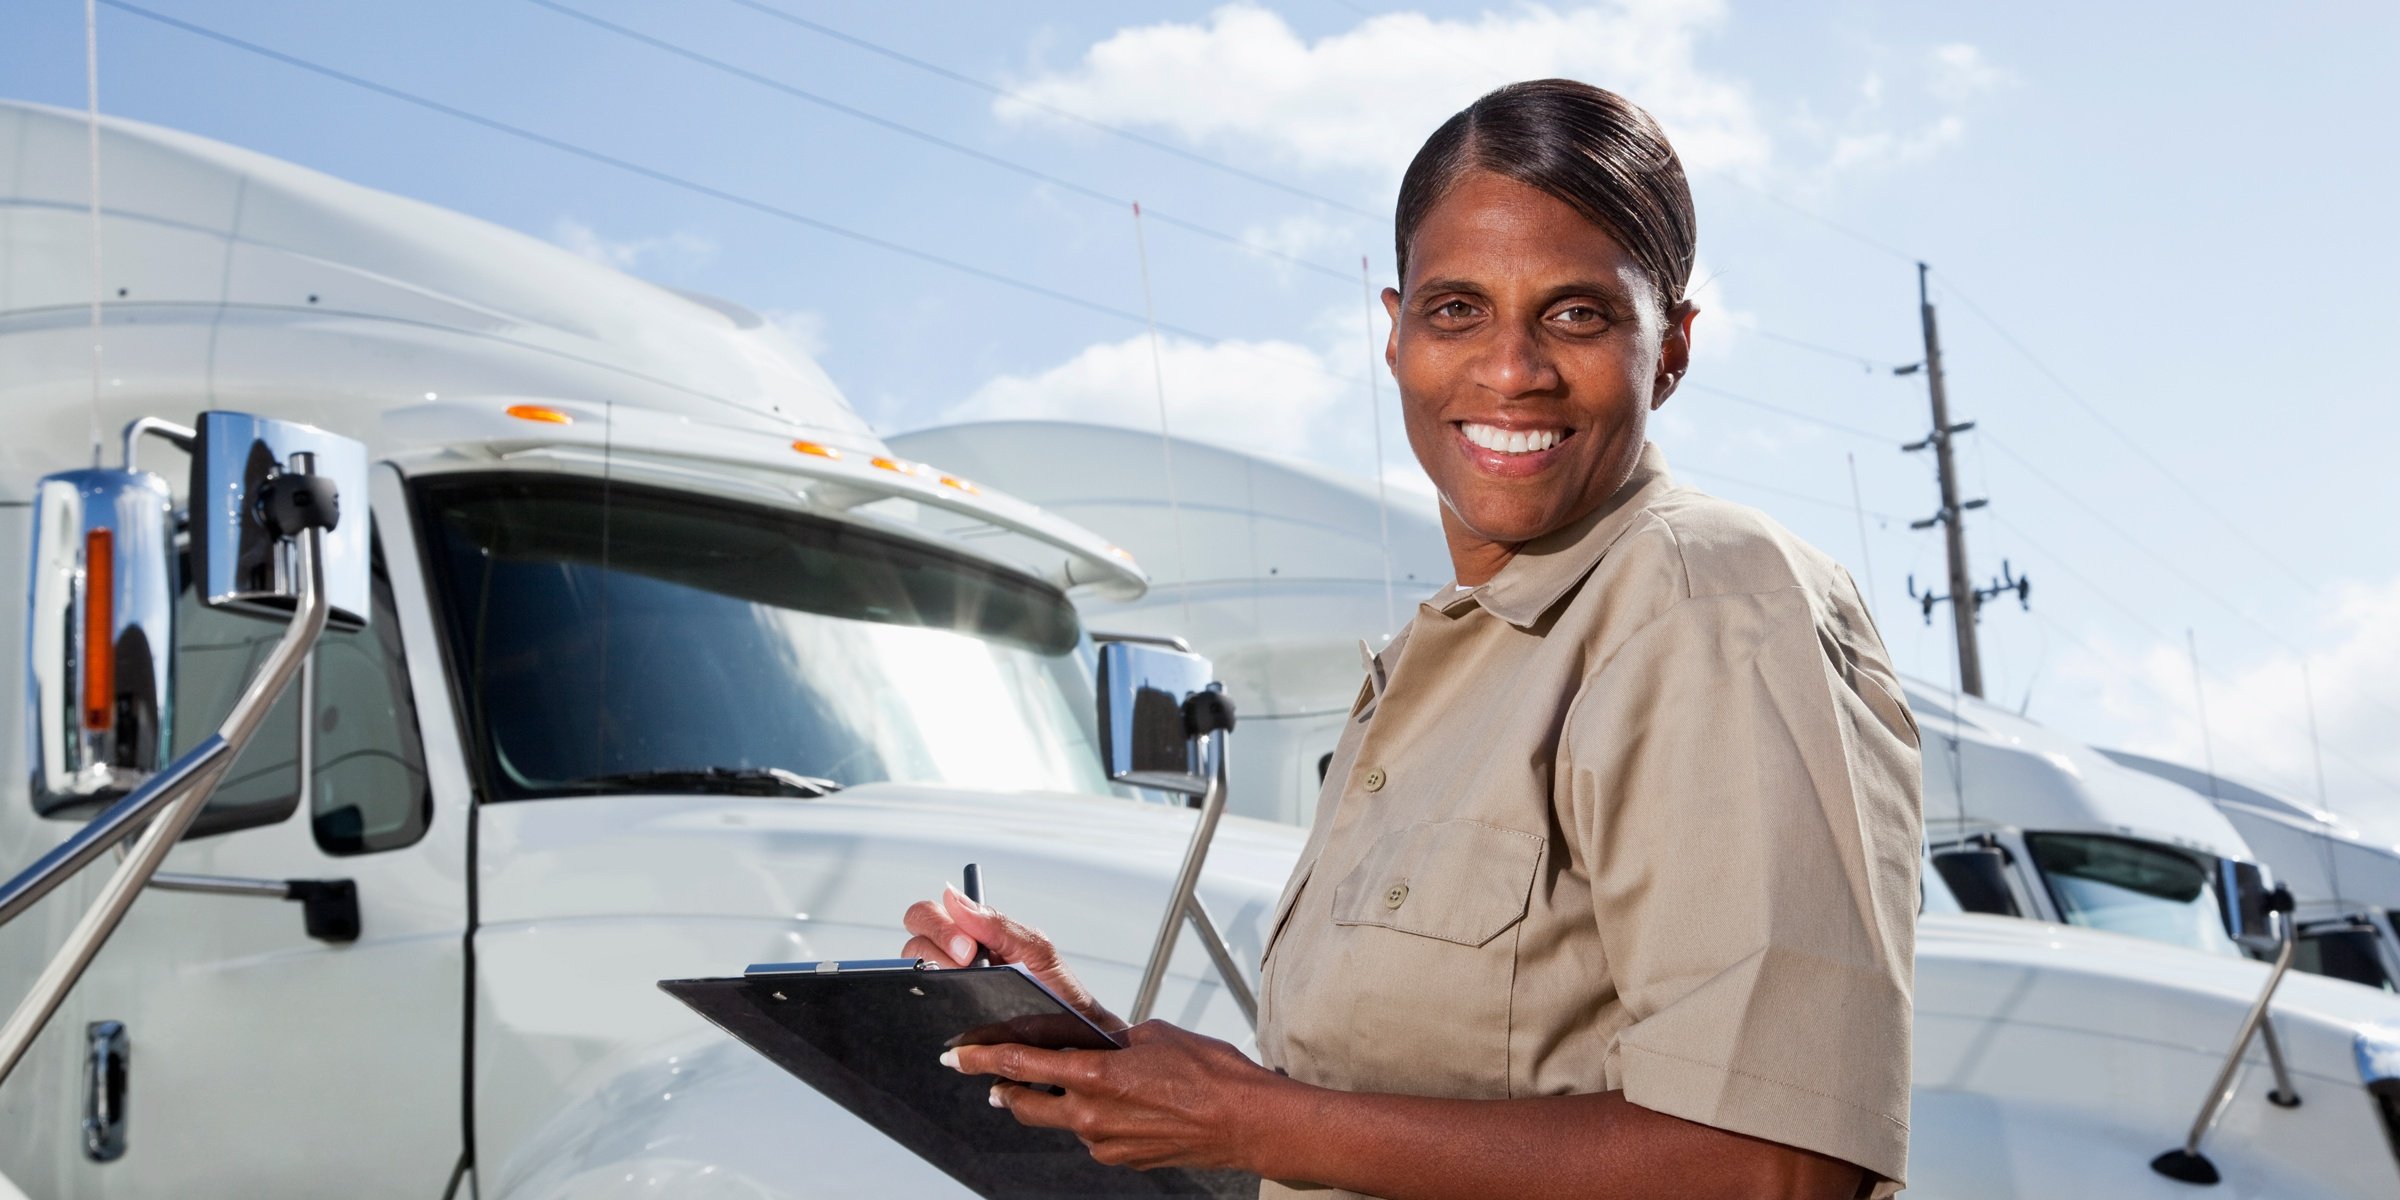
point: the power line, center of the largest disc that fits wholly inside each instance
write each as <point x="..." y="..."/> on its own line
<point x="1064" y="114"/>
<point x="2102" y="519"/>
<point x="1866" y="364"/>
<point x="1867" y="240"/>
<point x="2162" y="560"/>
<point x="2143" y="622"/>
<point x="2256" y="768"/>
<point x="1786" y="493"/>
<point x="677" y="181"/>
<point x="1793" y="413"/>
<point x="2092" y="410"/>
<point x="931" y="139"/>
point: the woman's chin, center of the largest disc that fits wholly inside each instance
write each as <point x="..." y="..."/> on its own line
<point x="1508" y="521"/>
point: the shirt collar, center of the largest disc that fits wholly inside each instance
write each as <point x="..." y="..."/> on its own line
<point x="1546" y="567"/>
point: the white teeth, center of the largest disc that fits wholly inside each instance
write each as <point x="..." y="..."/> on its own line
<point x="1506" y="441"/>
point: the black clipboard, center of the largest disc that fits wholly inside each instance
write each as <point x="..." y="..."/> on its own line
<point x="869" y="1036"/>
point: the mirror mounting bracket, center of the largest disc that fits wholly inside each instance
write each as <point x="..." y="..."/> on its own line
<point x="2186" y="1163"/>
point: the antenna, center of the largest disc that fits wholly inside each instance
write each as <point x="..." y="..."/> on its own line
<point x="1383" y="503"/>
<point x="91" y="133"/>
<point x="1166" y="440"/>
<point x="1866" y="556"/>
<point x="2208" y="752"/>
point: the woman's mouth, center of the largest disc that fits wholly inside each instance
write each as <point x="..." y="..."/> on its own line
<point x="1516" y="451"/>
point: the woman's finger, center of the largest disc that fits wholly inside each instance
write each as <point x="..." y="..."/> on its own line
<point x="1034" y="1106"/>
<point x="933" y="922"/>
<point x="924" y="948"/>
<point x="1074" y="1070"/>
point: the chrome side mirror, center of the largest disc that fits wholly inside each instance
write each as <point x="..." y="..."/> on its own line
<point x="1146" y="736"/>
<point x="99" y="612"/>
<point x="246" y="498"/>
<point x="2253" y="908"/>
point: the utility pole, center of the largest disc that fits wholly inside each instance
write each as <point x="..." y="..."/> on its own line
<point x="1966" y="600"/>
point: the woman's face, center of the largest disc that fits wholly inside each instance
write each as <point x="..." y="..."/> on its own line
<point x="1529" y="347"/>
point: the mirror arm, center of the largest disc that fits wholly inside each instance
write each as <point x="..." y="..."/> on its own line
<point x="114" y="824"/>
<point x="194" y="781"/>
<point x="183" y="436"/>
<point x="1183" y="904"/>
<point x="2185" y="1162"/>
<point x="329" y="907"/>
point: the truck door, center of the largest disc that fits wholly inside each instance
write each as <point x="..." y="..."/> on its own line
<point x="260" y="1060"/>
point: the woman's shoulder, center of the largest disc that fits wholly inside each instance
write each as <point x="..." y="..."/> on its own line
<point x="1715" y="547"/>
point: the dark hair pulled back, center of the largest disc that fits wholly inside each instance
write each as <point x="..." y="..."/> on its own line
<point x="1593" y="149"/>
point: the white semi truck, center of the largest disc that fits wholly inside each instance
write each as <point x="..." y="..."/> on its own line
<point x="2348" y="886"/>
<point x="631" y="591"/>
<point x="647" y="666"/>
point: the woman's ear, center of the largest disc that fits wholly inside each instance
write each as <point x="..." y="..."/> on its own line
<point x="1674" y="352"/>
<point x="1391" y="341"/>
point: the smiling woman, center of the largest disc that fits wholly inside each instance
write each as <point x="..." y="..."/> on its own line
<point x="1612" y="887"/>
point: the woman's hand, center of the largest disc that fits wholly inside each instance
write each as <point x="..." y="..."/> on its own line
<point x="1170" y="1098"/>
<point x="947" y="931"/>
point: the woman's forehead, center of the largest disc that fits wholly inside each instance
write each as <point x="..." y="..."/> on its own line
<point x="1491" y="227"/>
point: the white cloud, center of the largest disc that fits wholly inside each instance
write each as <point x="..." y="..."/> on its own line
<point x="1309" y="236"/>
<point x="803" y="328"/>
<point x="666" y="254"/>
<point x="1884" y="146"/>
<point x="1959" y="72"/>
<point x="1364" y="99"/>
<point x="2258" y="714"/>
<point x="1277" y="396"/>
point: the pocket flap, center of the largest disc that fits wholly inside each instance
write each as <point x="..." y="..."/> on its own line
<point x="1459" y="881"/>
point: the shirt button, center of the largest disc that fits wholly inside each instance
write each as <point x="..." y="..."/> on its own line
<point x="1375" y="780"/>
<point x="1394" y="897"/>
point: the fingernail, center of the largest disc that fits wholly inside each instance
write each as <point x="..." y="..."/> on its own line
<point x="994" y="1097"/>
<point x="962" y="948"/>
<point x="950" y="1059"/>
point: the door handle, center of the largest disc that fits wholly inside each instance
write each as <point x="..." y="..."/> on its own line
<point x="107" y="1060"/>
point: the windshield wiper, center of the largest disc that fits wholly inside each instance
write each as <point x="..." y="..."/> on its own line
<point x="734" y="781"/>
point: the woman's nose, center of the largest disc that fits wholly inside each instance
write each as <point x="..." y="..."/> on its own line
<point x="1515" y="363"/>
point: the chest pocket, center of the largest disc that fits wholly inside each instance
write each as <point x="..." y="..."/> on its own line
<point x="1458" y="881"/>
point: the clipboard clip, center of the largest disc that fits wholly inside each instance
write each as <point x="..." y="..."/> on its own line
<point x="856" y="966"/>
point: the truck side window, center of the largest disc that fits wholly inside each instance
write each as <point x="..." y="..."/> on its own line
<point x="369" y="791"/>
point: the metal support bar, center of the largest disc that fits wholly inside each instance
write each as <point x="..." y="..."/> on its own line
<point x="249" y="712"/>
<point x="2186" y="1162"/>
<point x="221" y="885"/>
<point x="2284" y="1095"/>
<point x="112" y="826"/>
<point x="1220" y="953"/>
<point x="1183" y="904"/>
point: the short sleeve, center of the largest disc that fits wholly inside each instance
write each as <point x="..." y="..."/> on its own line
<point x="1743" y="782"/>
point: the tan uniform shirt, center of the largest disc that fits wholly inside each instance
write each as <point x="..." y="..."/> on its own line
<point x="1640" y="813"/>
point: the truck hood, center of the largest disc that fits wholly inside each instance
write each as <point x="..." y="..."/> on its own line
<point x="2005" y="969"/>
<point x="838" y="871"/>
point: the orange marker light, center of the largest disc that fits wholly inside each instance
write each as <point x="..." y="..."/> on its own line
<point x="535" y="412"/>
<point x="893" y="464"/>
<point x="954" y="481"/>
<point x="99" y="622"/>
<point x="821" y="451"/>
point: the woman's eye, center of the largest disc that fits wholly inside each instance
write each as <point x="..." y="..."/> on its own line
<point x="1455" y="310"/>
<point x="1580" y="316"/>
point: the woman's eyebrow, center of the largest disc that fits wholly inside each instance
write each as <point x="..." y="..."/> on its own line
<point x="1432" y="287"/>
<point x="1610" y="291"/>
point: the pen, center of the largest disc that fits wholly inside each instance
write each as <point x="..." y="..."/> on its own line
<point x="974" y="892"/>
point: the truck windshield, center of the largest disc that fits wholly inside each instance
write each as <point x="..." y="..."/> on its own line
<point x="2134" y="887"/>
<point x="604" y="631"/>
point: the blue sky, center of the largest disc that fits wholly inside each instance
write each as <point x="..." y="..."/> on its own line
<point x="2162" y="250"/>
